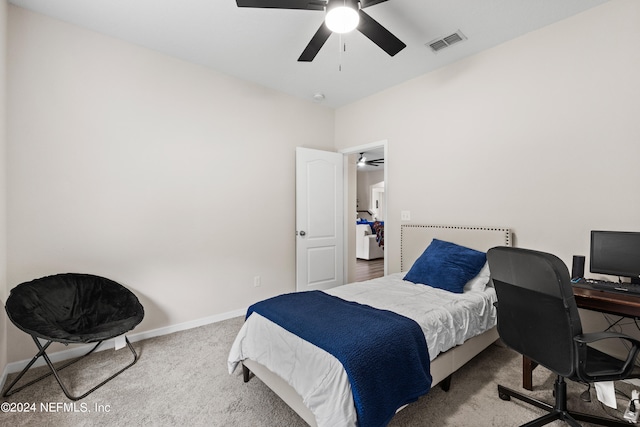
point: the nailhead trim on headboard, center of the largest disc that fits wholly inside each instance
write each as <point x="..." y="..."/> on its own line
<point x="507" y="233"/>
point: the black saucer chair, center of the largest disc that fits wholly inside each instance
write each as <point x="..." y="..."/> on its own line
<point x="72" y="308"/>
<point x="538" y="317"/>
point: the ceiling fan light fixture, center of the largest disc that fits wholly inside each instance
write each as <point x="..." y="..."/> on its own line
<point x="342" y="19"/>
<point x="341" y="16"/>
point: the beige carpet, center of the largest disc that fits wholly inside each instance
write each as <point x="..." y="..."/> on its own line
<point x="182" y="379"/>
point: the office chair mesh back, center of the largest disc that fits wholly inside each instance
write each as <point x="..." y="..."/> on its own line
<point x="537" y="313"/>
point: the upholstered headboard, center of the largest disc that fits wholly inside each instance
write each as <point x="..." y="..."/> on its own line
<point x="414" y="239"/>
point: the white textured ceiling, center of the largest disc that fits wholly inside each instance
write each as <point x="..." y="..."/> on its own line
<point x="262" y="45"/>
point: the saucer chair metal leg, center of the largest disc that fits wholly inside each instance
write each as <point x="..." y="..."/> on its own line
<point x="42" y="352"/>
<point x="9" y="392"/>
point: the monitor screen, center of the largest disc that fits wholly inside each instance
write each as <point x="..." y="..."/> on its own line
<point x="616" y="253"/>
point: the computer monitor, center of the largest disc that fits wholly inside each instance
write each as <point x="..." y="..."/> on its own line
<point x="616" y="253"/>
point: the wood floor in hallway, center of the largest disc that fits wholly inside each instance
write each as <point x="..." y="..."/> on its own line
<point x="369" y="269"/>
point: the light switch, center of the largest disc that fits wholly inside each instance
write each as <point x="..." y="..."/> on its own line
<point x="405" y="215"/>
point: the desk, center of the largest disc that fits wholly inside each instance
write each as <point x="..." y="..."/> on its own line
<point x="603" y="301"/>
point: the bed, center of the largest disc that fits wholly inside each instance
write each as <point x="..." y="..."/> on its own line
<point x="314" y="383"/>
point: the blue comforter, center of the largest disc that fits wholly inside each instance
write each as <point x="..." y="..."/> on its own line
<point x="384" y="354"/>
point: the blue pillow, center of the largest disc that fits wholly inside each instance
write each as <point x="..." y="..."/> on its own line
<point x="447" y="266"/>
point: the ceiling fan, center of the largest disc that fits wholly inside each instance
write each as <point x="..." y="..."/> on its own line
<point x="363" y="161"/>
<point x="345" y="11"/>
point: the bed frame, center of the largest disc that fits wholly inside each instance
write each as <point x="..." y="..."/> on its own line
<point x="413" y="241"/>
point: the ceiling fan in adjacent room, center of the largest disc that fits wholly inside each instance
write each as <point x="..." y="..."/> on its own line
<point x="362" y="161"/>
<point x="341" y="16"/>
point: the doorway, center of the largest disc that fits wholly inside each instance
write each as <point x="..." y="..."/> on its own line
<point x="366" y="193"/>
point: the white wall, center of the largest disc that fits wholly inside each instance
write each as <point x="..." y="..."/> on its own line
<point x="151" y="171"/>
<point x="539" y="134"/>
<point x="3" y="185"/>
<point x="170" y="178"/>
<point x="365" y="181"/>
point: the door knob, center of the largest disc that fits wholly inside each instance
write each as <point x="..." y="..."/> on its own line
<point x="302" y="233"/>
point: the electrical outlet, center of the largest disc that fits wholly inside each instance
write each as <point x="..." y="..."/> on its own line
<point x="119" y="342"/>
<point x="256" y="281"/>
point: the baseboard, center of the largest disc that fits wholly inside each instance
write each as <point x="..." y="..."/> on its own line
<point x="79" y="350"/>
<point x="3" y="379"/>
<point x="633" y="381"/>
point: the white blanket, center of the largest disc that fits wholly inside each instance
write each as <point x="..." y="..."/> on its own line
<point x="447" y="320"/>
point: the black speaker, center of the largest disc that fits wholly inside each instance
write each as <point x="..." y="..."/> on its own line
<point x="577" y="270"/>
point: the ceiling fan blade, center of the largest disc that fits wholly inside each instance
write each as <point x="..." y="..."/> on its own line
<point x="317" y="41"/>
<point x="367" y="3"/>
<point x="379" y="35"/>
<point x="283" y="4"/>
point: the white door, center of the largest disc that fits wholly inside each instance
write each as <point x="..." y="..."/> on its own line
<point x="319" y="219"/>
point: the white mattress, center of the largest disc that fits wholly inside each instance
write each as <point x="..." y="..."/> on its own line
<point x="447" y="320"/>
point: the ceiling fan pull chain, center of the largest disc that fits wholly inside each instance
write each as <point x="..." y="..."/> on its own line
<point x="340" y="52"/>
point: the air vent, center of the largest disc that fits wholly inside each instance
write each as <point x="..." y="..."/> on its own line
<point x="444" y="42"/>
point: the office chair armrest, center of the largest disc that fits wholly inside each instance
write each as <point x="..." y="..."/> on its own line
<point x="583" y="340"/>
<point x="598" y="336"/>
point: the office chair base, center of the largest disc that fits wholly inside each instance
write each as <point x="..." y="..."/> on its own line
<point x="559" y="412"/>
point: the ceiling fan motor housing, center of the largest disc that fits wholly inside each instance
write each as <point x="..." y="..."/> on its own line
<point x="353" y="4"/>
<point x="342" y="16"/>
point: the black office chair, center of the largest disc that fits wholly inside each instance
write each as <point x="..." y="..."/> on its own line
<point x="538" y="317"/>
